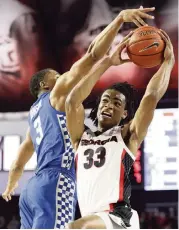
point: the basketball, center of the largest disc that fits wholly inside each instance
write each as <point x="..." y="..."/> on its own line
<point x="146" y="47"/>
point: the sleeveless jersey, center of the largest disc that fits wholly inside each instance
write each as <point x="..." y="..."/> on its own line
<point x="50" y="137"/>
<point x="103" y="164"/>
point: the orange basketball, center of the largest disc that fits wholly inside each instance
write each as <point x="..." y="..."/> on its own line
<point x="146" y="47"/>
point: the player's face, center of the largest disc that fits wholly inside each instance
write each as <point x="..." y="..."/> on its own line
<point x="51" y="78"/>
<point x="111" y="109"/>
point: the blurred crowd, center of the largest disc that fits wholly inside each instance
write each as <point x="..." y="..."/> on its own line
<point x="156" y="219"/>
<point x="14" y="222"/>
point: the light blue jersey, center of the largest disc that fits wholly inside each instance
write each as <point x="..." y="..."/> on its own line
<point x="50" y="137"/>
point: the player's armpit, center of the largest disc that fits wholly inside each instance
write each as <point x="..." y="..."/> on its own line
<point x="75" y="116"/>
<point x="143" y="117"/>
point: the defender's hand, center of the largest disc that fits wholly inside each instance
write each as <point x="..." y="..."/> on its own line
<point x="115" y="57"/>
<point x="136" y="15"/>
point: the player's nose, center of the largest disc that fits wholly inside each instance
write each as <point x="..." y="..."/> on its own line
<point x="110" y="105"/>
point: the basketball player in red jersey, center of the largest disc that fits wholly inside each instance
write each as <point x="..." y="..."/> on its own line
<point x="105" y="157"/>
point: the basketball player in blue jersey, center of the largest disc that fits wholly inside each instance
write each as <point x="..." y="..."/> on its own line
<point x="48" y="200"/>
<point x="104" y="158"/>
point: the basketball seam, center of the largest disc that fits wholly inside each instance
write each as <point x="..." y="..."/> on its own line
<point x="158" y="39"/>
<point x="145" y="54"/>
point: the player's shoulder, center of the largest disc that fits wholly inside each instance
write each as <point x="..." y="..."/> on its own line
<point x="59" y="93"/>
<point x="59" y="85"/>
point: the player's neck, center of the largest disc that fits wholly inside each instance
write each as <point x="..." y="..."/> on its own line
<point x="102" y="129"/>
<point x="41" y="92"/>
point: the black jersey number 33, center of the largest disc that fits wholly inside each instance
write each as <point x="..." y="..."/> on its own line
<point x="90" y="153"/>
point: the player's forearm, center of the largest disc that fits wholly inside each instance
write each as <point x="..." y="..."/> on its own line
<point x="103" y="41"/>
<point x="83" y="89"/>
<point x="158" y="84"/>
<point x="23" y="156"/>
<point x="97" y="49"/>
<point x="14" y="175"/>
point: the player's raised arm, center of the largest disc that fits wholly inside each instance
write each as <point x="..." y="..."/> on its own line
<point x="25" y="152"/>
<point x="97" y="50"/>
<point x="74" y="109"/>
<point x="154" y="92"/>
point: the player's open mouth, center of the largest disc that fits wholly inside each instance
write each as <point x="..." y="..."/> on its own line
<point x="106" y="114"/>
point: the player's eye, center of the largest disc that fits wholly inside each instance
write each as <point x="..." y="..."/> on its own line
<point x="118" y="104"/>
<point x="105" y="100"/>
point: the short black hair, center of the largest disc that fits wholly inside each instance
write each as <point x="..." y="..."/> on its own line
<point x="130" y="94"/>
<point x="35" y="82"/>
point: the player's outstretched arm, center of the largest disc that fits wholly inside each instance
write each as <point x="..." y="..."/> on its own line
<point x="74" y="109"/>
<point x="25" y="152"/>
<point x="156" y="88"/>
<point x="96" y="51"/>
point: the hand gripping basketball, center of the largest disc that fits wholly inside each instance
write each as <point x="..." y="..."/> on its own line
<point x="146" y="47"/>
<point x="168" y="52"/>
<point x="115" y="57"/>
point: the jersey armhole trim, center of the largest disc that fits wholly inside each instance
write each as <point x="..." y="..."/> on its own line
<point x="125" y="146"/>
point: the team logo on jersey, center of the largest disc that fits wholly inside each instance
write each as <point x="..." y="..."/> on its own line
<point x="98" y="142"/>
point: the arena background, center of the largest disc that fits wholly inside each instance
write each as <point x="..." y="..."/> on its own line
<point x="36" y="34"/>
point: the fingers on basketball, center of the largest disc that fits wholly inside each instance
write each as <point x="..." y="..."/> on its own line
<point x="165" y="35"/>
<point x="137" y="47"/>
<point x="127" y="38"/>
<point x="166" y="38"/>
<point x="122" y="45"/>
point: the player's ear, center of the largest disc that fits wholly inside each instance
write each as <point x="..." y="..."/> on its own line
<point x="43" y="85"/>
<point x="124" y="114"/>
